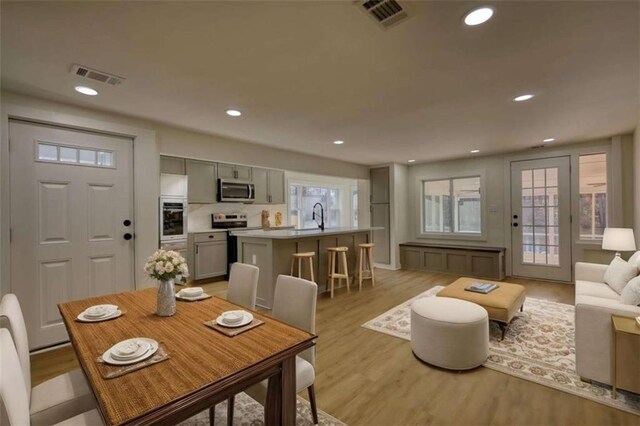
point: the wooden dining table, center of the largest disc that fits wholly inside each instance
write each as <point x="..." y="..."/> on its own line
<point x="204" y="366"/>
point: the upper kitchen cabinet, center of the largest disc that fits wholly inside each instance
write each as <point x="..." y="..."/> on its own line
<point x="268" y="186"/>
<point x="233" y="171"/>
<point x="276" y="187"/>
<point x="202" y="181"/>
<point x="260" y="186"/>
<point x="172" y="165"/>
<point x="379" y="185"/>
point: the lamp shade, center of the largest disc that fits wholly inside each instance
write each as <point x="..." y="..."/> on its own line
<point x="618" y="239"/>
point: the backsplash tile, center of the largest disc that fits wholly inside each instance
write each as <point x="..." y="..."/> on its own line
<point x="199" y="215"/>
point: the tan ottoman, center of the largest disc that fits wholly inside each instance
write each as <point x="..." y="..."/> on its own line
<point x="502" y="304"/>
<point x="449" y="333"/>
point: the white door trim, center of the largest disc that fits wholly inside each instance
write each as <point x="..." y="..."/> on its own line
<point x="146" y="184"/>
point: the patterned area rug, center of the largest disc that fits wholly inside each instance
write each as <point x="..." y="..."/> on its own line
<point x="539" y="346"/>
<point x="248" y="412"/>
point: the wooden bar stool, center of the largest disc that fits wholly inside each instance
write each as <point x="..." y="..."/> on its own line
<point x="334" y="266"/>
<point x="365" y="259"/>
<point x="300" y="256"/>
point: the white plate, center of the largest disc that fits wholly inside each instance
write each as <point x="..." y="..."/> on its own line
<point x="84" y="318"/>
<point x="248" y="317"/>
<point x="105" y="310"/>
<point x="192" y="299"/>
<point x="153" y="348"/>
<point x="142" y="348"/>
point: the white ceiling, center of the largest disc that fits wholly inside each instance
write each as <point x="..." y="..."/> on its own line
<point x="307" y="73"/>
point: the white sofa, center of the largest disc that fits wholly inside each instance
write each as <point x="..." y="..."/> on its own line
<point x="595" y="303"/>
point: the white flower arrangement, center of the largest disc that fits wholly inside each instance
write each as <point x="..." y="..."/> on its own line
<point x="165" y="265"/>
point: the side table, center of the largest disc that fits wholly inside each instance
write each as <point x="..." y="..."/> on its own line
<point x="625" y="354"/>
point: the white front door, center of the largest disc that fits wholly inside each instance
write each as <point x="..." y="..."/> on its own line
<point x="71" y="208"/>
<point x="541" y="218"/>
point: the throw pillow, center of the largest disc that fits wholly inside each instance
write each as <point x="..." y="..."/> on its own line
<point x="635" y="259"/>
<point x="619" y="273"/>
<point x="631" y="293"/>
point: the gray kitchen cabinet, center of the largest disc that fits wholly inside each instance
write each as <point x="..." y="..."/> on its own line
<point x="379" y="185"/>
<point x="210" y="259"/>
<point x="172" y="165"/>
<point x="233" y="171"/>
<point x="202" y="188"/>
<point x="276" y="187"/>
<point x="381" y="237"/>
<point x="260" y="186"/>
<point x="268" y="186"/>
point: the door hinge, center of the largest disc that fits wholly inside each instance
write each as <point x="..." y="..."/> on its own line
<point x="570" y="218"/>
<point x="10" y="234"/>
<point x="9" y="144"/>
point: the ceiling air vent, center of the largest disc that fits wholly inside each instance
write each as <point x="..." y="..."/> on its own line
<point x="95" y="75"/>
<point x="386" y="12"/>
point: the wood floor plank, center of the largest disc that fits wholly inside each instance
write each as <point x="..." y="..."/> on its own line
<point x="369" y="378"/>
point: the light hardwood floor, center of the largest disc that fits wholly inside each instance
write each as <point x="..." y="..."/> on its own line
<point x="369" y="378"/>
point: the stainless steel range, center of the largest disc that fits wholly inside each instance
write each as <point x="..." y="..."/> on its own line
<point x="230" y="221"/>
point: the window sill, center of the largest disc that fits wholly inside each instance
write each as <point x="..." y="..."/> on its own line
<point x="595" y="243"/>
<point x="451" y="236"/>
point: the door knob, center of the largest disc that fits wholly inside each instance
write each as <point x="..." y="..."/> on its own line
<point x="515" y="224"/>
<point x="126" y="222"/>
<point x="127" y="236"/>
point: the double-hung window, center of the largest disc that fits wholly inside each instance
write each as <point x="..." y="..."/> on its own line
<point x="452" y="206"/>
<point x="593" y="196"/>
<point x="302" y="198"/>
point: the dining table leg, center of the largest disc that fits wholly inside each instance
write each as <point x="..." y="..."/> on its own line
<point x="280" y="407"/>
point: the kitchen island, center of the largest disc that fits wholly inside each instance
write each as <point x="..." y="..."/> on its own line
<point x="271" y="250"/>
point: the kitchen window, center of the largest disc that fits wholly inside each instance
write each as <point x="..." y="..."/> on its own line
<point x="593" y="196"/>
<point x="302" y="198"/>
<point x="452" y="206"/>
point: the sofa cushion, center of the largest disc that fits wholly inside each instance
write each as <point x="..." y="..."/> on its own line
<point x="589" y="288"/>
<point x="619" y="273"/>
<point x="631" y="293"/>
<point x="635" y="259"/>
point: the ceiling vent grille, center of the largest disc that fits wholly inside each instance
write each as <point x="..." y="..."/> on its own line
<point x="386" y="12"/>
<point x="95" y="75"/>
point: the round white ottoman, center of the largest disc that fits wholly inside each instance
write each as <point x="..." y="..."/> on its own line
<point x="449" y="333"/>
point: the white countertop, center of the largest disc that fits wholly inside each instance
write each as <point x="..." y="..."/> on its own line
<point x="300" y="233"/>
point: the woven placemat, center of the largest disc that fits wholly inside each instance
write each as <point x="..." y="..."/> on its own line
<point x="109" y="371"/>
<point x="231" y="332"/>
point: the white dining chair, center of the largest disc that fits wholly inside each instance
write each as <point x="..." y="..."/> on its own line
<point x="294" y="302"/>
<point x="243" y="284"/>
<point x="14" y="396"/>
<point x="57" y="399"/>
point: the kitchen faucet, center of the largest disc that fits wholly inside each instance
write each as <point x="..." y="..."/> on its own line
<point x="313" y="216"/>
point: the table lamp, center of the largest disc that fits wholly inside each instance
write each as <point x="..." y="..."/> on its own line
<point x="618" y="239"/>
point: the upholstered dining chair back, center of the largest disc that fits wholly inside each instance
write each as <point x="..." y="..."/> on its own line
<point x="294" y="302"/>
<point x="10" y="309"/>
<point x="243" y="284"/>
<point x="13" y="393"/>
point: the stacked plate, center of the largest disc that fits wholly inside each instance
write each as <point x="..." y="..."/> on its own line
<point x="99" y="313"/>
<point x="234" y="319"/>
<point x="130" y="351"/>
<point x="192" y="293"/>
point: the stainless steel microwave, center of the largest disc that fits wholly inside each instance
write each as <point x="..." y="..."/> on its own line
<point x="233" y="191"/>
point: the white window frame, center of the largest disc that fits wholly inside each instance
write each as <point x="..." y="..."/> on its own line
<point x="344" y="190"/>
<point x="593" y="238"/>
<point x="481" y="236"/>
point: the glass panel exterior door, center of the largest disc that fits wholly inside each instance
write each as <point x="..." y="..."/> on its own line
<point x="541" y="221"/>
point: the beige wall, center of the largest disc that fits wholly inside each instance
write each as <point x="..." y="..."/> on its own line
<point x="495" y="169"/>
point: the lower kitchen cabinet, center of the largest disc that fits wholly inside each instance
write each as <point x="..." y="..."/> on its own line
<point x="209" y="254"/>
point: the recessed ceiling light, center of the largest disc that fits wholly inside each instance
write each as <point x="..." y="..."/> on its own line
<point x="475" y="151"/>
<point x="549" y="140"/>
<point x="233" y="112"/>
<point x="338" y="142"/>
<point x="86" y="90"/>
<point x="411" y="161"/>
<point x="523" y="98"/>
<point x="478" y="16"/>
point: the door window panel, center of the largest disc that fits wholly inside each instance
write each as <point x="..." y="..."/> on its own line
<point x="540" y="241"/>
<point x="68" y="155"/>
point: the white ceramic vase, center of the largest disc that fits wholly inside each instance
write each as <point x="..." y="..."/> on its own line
<point x="166" y="304"/>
